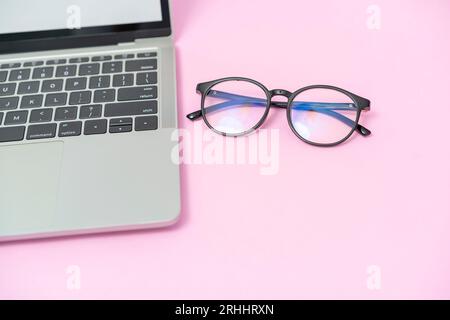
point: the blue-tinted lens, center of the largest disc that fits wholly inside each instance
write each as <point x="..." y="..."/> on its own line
<point x="323" y="116"/>
<point x="235" y="107"/>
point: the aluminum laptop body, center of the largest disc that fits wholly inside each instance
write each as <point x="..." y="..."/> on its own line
<point x="88" y="118"/>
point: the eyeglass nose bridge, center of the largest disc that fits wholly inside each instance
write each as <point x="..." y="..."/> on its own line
<point x="280" y="92"/>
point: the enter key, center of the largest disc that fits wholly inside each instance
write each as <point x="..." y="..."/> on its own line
<point x="137" y="93"/>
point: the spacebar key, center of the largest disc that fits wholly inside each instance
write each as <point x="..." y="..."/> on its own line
<point x="131" y="108"/>
<point x="9" y="134"/>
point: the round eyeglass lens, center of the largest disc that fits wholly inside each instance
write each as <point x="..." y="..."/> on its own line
<point x="323" y="116"/>
<point x="235" y="107"/>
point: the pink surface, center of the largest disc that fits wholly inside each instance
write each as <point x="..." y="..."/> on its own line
<point x="312" y="229"/>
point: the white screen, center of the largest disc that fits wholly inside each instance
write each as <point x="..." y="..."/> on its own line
<point x="44" y="15"/>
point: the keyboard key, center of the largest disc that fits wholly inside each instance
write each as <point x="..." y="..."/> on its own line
<point x="146" y="78"/>
<point x="16" y="117"/>
<point x="66" y="71"/>
<point x="137" y="93"/>
<point x="28" y="87"/>
<point x="106" y="95"/>
<point x="33" y="101"/>
<point x="101" y="58"/>
<point x="112" y="67"/>
<point x="121" y="122"/>
<point x="76" y="84"/>
<point x="56" y="61"/>
<point x="95" y="126"/>
<point x="66" y="113"/>
<point x="123" y="80"/>
<point x="99" y="82"/>
<point x="70" y="129"/>
<point x="79" y="60"/>
<point x="141" y="65"/>
<point x="89" y="69"/>
<point x="43" y="72"/>
<point x="41" y="131"/>
<point x="1" y="117"/>
<point x="3" y="76"/>
<point x="41" y="115"/>
<point x="52" y="85"/>
<point x="9" y="103"/>
<point x="12" y="134"/>
<point x="7" y="89"/>
<point x="146" y="123"/>
<point x="56" y="99"/>
<point x="19" y="74"/>
<point x="131" y="108"/>
<point x="91" y="112"/>
<point x="10" y="65"/>
<point x="124" y="56"/>
<point x="120" y="129"/>
<point x="146" y="55"/>
<point x="80" y="97"/>
<point x="33" y="63"/>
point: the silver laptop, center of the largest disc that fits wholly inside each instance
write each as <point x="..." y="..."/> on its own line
<point x="87" y="117"/>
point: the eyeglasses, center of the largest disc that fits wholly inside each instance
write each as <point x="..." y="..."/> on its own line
<point x="319" y="115"/>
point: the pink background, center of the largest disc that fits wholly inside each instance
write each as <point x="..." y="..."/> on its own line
<point x="312" y="230"/>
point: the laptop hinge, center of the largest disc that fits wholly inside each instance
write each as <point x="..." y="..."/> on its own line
<point x="124" y="44"/>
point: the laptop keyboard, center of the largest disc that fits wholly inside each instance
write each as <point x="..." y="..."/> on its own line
<point x="104" y="94"/>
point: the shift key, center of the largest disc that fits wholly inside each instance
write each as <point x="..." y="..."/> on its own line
<point x="131" y="108"/>
<point x="137" y="93"/>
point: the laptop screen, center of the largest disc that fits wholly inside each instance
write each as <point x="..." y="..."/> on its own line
<point x="17" y="16"/>
<point x="32" y="25"/>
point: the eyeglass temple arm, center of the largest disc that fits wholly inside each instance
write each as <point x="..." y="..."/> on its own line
<point x="232" y="103"/>
<point x="322" y="107"/>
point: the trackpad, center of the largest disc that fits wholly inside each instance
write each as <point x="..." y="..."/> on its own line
<point x="29" y="178"/>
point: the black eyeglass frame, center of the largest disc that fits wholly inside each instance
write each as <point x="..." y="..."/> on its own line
<point x="362" y="104"/>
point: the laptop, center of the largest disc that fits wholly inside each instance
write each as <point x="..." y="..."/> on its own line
<point x="87" y="118"/>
